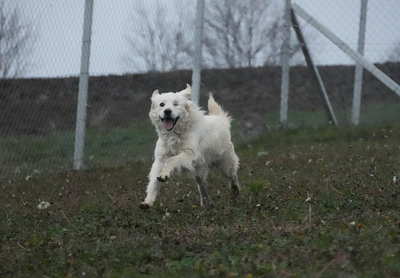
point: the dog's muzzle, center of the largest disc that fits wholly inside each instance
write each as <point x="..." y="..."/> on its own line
<point x="168" y="121"/>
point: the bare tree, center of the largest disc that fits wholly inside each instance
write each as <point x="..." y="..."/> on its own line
<point x="237" y="33"/>
<point x="158" y="41"/>
<point x="243" y="33"/>
<point x="17" y="38"/>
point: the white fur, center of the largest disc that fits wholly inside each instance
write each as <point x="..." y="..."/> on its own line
<point x="196" y="141"/>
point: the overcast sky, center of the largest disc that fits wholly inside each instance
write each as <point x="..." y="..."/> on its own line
<point x="59" y="38"/>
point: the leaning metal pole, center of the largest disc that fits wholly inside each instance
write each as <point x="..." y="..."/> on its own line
<point x="83" y="87"/>
<point x="314" y="70"/>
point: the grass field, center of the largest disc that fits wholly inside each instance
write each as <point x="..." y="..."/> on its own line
<point x="22" y="156"/>
<point x="31" y="155"/>
<point x="314" y="203"/>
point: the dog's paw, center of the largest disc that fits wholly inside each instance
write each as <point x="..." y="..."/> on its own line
<point x="206" y="203"/>
<point x="144" y="205"/>
<point x="235" y="192"/>
<point x="162" y="178"/>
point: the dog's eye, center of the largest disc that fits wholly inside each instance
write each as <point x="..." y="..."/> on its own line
<point x="162" y="104"/>
<point x="176" y="104"/>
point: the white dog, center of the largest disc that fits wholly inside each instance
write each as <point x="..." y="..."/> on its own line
<point x="190" y="140"/>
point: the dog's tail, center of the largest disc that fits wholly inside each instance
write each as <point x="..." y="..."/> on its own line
<point x="216" y="110"/>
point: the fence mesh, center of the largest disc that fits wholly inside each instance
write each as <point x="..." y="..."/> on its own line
<point x="140" y="46"/>
<point x="379" y="104"/>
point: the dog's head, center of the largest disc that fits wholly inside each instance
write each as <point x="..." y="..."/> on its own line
<point x="168" y="109"/>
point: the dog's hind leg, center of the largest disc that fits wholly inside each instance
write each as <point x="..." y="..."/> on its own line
<point x="154" y="185"/>
<point x="234" y="186"/>
<point x="229" y="165"/>
<point x="200" y="178"/>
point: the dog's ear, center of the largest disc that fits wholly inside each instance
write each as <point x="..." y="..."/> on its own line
<point x="155" y="93"/>
<point x="187" y="92"/>
<point x="187" y="107"/>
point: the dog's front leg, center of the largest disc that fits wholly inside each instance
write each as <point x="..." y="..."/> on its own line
<point x="184" y="160"/>
<point x="154" y="185"/>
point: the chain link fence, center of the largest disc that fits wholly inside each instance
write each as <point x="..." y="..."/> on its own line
<point x="140" y="46"/>
<point x="378" y="102"/>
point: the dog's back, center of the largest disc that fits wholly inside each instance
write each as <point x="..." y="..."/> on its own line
<point x="216" y="137"/>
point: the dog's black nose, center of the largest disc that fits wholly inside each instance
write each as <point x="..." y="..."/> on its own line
<point x="167" y="112"/>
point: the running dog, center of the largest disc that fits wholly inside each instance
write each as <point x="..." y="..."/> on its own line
<point x="190" y="140"/>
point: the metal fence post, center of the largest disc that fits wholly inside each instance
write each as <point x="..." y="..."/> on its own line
<point x="355" y="111"/>
<point x="196" y="74"/>
<point x="83" y="87"/>
<point x="285" y="65"/>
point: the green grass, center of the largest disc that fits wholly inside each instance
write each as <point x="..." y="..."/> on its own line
<point x="23" y="156"/>
<point x="31" y="155"/>
<point x="118" y="146"/>
<point x="315" y="202"/>
<point x="371" y="114"/>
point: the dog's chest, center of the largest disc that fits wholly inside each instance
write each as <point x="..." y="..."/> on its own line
<point x="173" y="146"/>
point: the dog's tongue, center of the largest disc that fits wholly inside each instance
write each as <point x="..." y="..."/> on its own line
<point x="168" y="124"/>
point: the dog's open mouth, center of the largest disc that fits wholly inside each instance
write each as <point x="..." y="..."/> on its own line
<point x="169" y="123"/>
